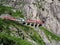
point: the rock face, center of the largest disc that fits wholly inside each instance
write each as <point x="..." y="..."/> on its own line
<point x="50" y="9"/>
<point x="39" y="9"/>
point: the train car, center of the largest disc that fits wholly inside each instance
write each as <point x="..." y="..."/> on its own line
<point x="28" y="21"/>
<point x="21" y="20"/>
<point x="34" y="21"/>
<point x="9" y="18"/>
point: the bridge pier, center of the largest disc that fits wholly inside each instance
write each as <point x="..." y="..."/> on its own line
<point x="25" y="23"/>
<point x="30" y="24"/>
<point x="37" y="25"/>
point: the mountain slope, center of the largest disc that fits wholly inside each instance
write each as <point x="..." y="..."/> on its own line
<point x="15" y="33"/>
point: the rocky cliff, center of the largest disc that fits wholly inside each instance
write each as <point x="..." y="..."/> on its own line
<point x="47" y="10"/>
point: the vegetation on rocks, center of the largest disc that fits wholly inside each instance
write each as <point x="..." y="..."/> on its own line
<point x="50" y="35"/>
<point x="9" y="10"/>
<point x="6" y="36"/>
<point x="5" y="24"/>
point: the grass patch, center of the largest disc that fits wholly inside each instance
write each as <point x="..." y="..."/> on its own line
<point x="33" y="34"/>
<point x="8" y="10"/>
<point x="19" y="41"/>
<point x="48" y="34"/>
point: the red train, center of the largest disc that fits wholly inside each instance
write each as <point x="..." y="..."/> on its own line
<point x="9" y="18"/>
<point x="28" y="21"/>
<point x="34" y="21"/>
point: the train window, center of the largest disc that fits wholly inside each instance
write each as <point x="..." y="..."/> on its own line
<point x="42" y="9"/>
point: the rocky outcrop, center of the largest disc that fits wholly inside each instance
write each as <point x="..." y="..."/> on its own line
<point x="48" y="10"/>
